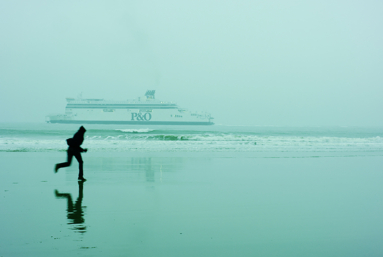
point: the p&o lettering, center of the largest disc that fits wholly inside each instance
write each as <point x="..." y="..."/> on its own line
<point x="141" y="117"/>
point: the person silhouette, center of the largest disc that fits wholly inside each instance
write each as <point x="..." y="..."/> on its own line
<point x="75" y="212"/>
<point x="75" y="150"/>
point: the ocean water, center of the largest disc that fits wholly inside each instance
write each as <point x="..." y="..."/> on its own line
<point x="51" y="137"/>
<point x="192" y="191"/>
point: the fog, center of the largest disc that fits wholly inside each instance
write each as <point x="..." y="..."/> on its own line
<point x="278" y="63"/>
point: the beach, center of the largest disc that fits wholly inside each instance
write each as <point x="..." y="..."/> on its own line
<point x="191" y="128"/>
<point x="192" y="204"/>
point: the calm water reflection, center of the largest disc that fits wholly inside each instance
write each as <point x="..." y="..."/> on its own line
<point x="134" y="169"/>
<point x="147" y="165"/>
<point x="75" y="213"/>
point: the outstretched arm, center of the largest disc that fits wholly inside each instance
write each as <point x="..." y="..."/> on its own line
<point x="83" y="149"/>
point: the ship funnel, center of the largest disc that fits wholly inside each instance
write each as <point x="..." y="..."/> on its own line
<point x="150" y="94"/>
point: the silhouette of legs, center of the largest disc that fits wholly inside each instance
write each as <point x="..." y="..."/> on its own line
<point x="78" y="157"/>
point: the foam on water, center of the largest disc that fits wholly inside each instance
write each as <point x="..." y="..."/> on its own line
<point x="199" y="143"/>
<point x="135" y="130"/>
<point x="237" y="139"/>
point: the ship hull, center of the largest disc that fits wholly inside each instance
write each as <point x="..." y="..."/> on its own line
<point x="130" y="122"/>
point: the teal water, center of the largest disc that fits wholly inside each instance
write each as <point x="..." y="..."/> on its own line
<point x="51" y="137"/>
<point x="291" y="199"/>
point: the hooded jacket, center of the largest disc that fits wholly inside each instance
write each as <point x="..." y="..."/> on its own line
<point x="77" y="139"/>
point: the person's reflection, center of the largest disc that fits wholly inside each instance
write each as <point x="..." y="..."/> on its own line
<point x="75" y="214"/>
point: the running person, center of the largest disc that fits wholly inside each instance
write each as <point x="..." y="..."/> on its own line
<point x="75" y="150"/>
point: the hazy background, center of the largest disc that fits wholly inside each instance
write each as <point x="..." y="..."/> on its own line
<point x="281" y="62"/>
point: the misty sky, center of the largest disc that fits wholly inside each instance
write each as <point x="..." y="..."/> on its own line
<point x="283" y="62"/>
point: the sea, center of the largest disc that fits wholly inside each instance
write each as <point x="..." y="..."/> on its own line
<point x="41" y="137"/>
<point x="171" y="191"/>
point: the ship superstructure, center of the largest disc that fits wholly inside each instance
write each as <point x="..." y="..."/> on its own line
<point x="143" y="110"/>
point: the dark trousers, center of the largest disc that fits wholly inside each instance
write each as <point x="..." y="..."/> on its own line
<point x="77" y="154"/>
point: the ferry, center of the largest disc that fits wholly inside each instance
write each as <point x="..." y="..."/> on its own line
<point x="141" y="111"/>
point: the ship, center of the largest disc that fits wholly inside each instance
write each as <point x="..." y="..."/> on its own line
<point x="145" y="110"/>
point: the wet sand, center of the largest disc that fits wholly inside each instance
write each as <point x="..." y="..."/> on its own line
<point x="182" y="204"/>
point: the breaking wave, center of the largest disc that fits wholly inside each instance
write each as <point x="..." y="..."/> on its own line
<point x="198" y="142"/>
<point x="135" y="130"/>
<point x="46" y="138"/>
